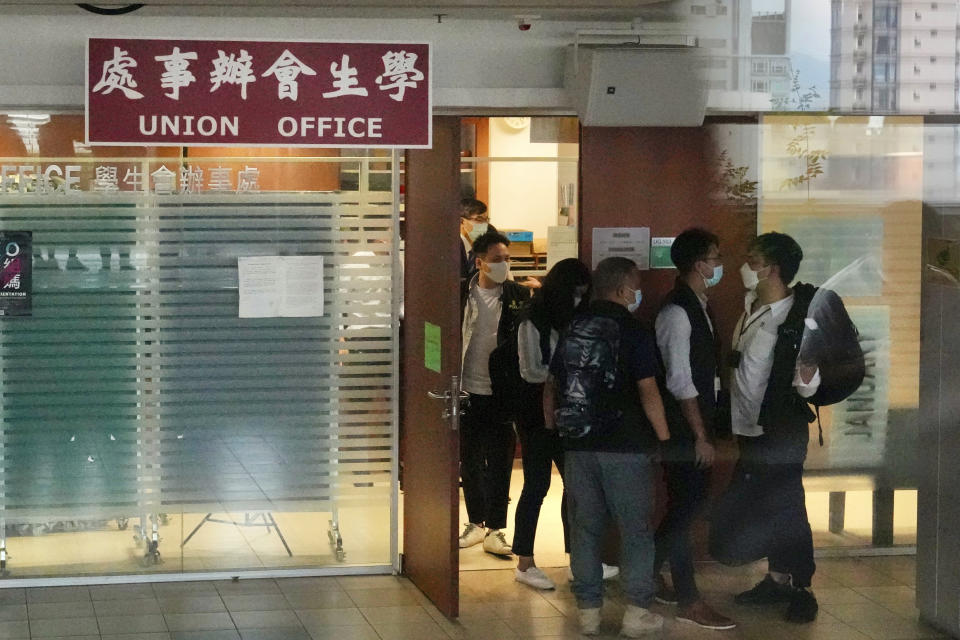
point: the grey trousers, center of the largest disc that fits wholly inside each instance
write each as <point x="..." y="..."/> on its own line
<point x="620" y="484"/>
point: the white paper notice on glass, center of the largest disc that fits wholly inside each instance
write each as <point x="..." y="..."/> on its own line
<point x="561" y="244"/>
<point x="280" y="286"/>
<point x="628" y="242"/>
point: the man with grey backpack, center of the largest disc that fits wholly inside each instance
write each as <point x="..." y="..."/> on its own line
<point x="602" y="397"/>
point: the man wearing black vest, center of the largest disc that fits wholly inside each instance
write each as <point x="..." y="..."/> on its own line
<point x="763" y="512"/>
<point x="689" y="349"/>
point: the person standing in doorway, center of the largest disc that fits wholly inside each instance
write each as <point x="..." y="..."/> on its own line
<point x="564" y="291"/>
<point x="603" y="398"/>
<point x="689" y="349"/>
<point x="474" y="222"/>
<point x="763" y="512"/>
<point x="491" y="305"/>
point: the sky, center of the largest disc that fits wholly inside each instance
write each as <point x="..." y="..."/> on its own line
<point x="810" y="25"/>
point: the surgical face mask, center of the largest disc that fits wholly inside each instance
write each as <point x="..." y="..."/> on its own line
<point x="577" y="299"/>
<point x="498" y="271"/>
<point x="713" y="280"/>
<point x="637" y="299"/>
<point x="750" y="277"/>
<point x="478" y="229"/>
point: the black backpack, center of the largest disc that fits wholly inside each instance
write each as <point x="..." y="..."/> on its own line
<point x="588" y="355"/>
<point x="831" y="340"/>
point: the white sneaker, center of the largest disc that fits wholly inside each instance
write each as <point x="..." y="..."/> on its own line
<point x="496" y="543"/>
<point x="589" y="621"/>
<point x="638" y="622"/>
<point x="472" y="534"/>
<point x="610" y="571"/>
<point x="535" y="578"/>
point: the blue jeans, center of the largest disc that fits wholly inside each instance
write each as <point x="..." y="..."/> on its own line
<point x="620" y="484"/>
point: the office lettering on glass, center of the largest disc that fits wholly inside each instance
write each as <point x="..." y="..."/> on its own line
<point x="54" y="180"/>
<point x="143" y="91"/>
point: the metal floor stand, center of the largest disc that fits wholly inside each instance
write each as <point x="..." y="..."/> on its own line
<point x="249" y="520"/>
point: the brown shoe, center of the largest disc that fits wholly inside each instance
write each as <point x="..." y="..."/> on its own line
<point x="702" y="615"/>
<point x="665" y="595"/>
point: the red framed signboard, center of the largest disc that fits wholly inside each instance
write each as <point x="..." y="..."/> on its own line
<point x="155" y="92"/>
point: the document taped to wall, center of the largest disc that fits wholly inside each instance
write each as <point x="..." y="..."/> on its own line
<point x="627" y="242"/>
<point x="280" y="286"/>
<point x="16" y="276"/>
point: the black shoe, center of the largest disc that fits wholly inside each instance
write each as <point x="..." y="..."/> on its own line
<point x="803" y="607"/>
<point x="767" y="591"/>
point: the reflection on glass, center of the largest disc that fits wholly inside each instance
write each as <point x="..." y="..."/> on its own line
<point x="147" y="428"/>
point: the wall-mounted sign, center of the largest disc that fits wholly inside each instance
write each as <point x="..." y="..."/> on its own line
<point x="628" y="242"/>
<point x="431" y="346"/>
<point x="16" y="273"/>
<point x="150" y="92"/>
<point x="660" y="253"/>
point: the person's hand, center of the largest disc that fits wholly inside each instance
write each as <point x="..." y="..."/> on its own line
<point x="531" y="283"/>
<point x="705" y="453"/>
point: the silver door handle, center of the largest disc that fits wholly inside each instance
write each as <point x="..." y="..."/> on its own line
<point x="453" y="397"/>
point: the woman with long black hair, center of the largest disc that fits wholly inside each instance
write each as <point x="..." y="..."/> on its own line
<point x="565" y="289"/>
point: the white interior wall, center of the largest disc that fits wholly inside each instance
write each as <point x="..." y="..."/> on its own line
<point x="523" y="195"/>
<point x="476" y="63"/>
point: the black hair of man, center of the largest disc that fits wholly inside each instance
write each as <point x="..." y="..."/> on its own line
<point x="690" y="247"/>
<point x="482" y="244"/>
<point x="610" y="275"/>
<point x="781" y="250"/>
<point x="472" y="207"/>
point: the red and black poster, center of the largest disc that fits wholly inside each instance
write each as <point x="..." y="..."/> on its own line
<point x="16" y="275"/>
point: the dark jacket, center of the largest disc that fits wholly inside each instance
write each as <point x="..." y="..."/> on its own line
<point x="785" y="415"/>
<point x="504" y="360"/>
<point x="704" y="363"/>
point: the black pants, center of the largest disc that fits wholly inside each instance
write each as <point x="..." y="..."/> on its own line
<point x="686" y="494"/>
<point x="541" y="449"/>
<point x="763" y="513"/>
<point x="487" y="445"/>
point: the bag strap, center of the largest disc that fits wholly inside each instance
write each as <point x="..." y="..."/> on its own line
<point x="819" y="426"/>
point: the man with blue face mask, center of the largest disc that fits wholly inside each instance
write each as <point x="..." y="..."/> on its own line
<point x="603" y="398"/>
<point x="689" y="349"/>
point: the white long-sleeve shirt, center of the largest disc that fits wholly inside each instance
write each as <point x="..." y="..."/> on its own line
<point x="532" y="367"/>
<point x="755" y="338"/>
<point x="673" y="338"/>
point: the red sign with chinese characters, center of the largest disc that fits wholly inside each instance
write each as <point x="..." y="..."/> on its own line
<point x="149" y="92"/>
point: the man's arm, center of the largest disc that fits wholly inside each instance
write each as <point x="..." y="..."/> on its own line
<point x="652" y="406"/>
<point x="673" y="338"/>
<point x="549" y="403"/>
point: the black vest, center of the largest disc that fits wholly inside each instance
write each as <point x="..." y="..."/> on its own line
<point x="704" y="362"/>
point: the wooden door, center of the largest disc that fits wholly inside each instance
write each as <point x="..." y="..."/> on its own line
<point x="432" y="341"/>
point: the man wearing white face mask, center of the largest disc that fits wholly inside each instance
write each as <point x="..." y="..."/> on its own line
<point x="492" y="303"/>
<point x="474" y="222"/>
<point x="763" y="512"/>
<point x="689" y="349"/>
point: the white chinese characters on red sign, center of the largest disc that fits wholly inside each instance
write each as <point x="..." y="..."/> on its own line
<point x="250" y="93"/>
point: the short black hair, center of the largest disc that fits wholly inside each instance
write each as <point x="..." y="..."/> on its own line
<point x="482" y="244"/>
<point x="781" y="250"/>
<point x="610" y="275"/>
<point x="690" y="247"/>
<point x="472" y="207"/>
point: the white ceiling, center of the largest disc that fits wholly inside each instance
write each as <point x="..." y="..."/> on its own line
<point x="450" y="9"/>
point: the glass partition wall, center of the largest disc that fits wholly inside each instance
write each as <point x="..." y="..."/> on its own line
<point x="144" y="425"/>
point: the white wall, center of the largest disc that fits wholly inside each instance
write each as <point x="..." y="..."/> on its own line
<point x="476" y="63"/>
<point x="523" y="195"/>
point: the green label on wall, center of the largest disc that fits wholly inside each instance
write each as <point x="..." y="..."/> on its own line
<point x="431" y="346"/>
<point x="660" y="253"/>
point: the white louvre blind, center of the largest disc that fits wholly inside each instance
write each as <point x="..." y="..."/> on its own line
<point x="136" y="389"/>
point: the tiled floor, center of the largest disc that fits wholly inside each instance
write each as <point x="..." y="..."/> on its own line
<point x="861" y="599"/>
